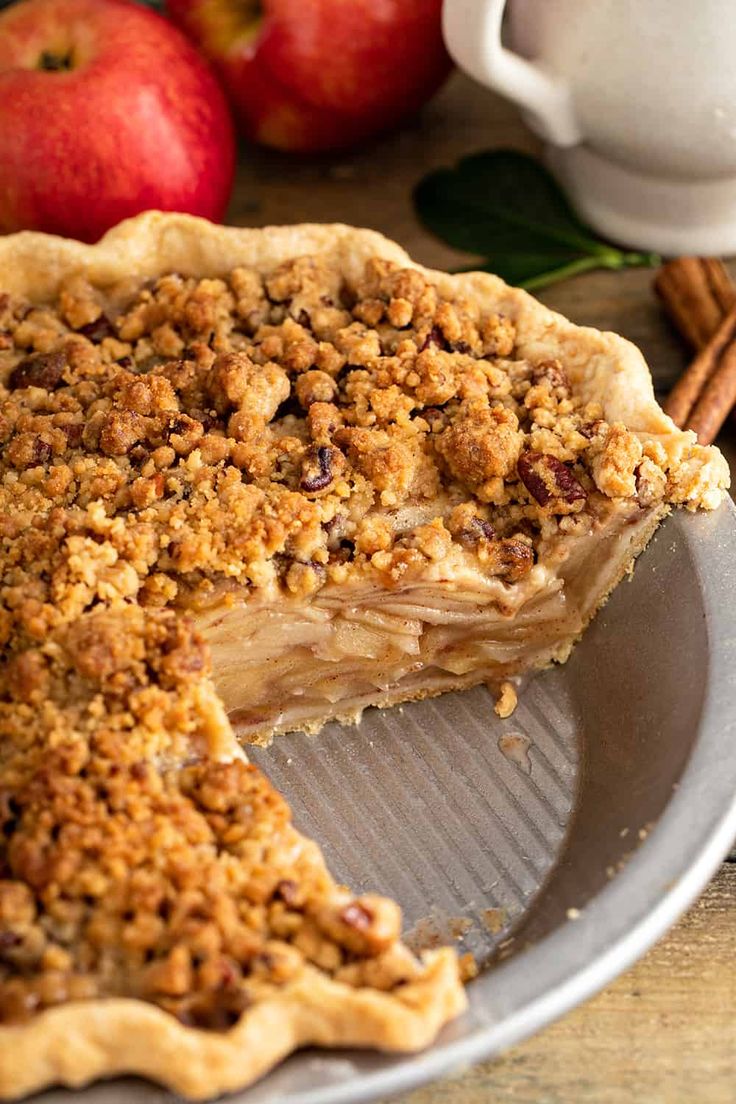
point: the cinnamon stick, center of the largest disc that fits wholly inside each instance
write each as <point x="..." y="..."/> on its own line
<point x="687" y="394"/>
<point x="696" y="292"/>
<point x="717" y="394"/>
<point x="700" y="298"/>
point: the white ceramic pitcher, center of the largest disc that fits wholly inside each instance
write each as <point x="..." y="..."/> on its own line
<point x="636" y="100"/>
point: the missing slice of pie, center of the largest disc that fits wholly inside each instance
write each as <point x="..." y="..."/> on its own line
<point x="279" y="474"/>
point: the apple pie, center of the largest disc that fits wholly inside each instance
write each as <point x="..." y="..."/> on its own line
<point x="252" y="481"/>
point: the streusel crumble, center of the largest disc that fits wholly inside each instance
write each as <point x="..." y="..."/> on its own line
<point x="161" y="443"/>
<point x="136" y="862"/>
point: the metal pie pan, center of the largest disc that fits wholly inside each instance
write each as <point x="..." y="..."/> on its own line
<point x="556" y="845"/>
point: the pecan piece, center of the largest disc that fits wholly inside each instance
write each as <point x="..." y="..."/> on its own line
<point x="476" y="530"/>
<point x="74" y="433"/>
<point x="547" y="478"/>
<point x="589" y="430"/>
<point x="287" y="890"/>
<point x="39" y="370"/>
<point x="435" y="339"/>
<point x="42" y="451"/>
<point x="513" y="558"/>
<point x="551" y="372"/>
<point x="320" y="466"/>
<point x="182" y="432"/>
<point x="139" y="454"/>
<point x="28" y="450"/>
<point x="367" y="925"/>
<point x="97" y="331"/>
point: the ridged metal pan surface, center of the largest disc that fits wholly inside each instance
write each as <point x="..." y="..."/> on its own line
<point x="556" y="845"/>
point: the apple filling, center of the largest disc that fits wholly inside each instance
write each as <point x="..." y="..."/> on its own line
<point x="291" y="664"/>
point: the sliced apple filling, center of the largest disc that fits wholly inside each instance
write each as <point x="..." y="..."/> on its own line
<point x="296" y="664"/>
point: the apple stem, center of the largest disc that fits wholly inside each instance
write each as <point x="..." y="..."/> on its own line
<point x="55" y="63"/>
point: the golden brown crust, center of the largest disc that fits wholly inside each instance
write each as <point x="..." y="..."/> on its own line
<point x="123" y="486"/>
<point x="78" y="1043"/>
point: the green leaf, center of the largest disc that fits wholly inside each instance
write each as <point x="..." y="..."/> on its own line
<point x="506" y="207"/>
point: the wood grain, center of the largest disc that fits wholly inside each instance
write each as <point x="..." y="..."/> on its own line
<point x="666" y="1032"/>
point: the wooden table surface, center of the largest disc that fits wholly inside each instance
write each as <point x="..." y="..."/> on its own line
<point x="665" y="1033"/>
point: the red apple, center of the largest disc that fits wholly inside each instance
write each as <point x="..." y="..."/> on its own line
<point x="320" y="74"/>
<point x="105" y="110"/>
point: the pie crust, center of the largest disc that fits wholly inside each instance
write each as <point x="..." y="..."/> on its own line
<point x="397" y="1002"/>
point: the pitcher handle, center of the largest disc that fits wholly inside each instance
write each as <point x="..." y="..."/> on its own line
<point x="472" y="30"/>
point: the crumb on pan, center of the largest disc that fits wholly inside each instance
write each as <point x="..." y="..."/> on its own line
<point x="506" y="701"/>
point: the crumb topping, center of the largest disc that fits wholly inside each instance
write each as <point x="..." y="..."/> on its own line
<point x="160" y="444"/>
<point x="135" y="861"/>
